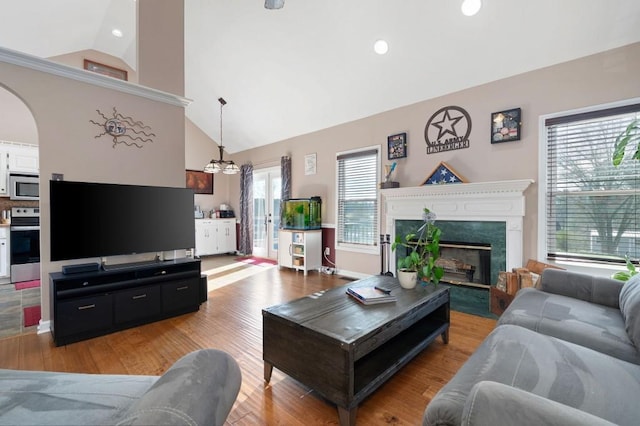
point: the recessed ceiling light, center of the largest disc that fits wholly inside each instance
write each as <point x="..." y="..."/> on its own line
<point x="381" y="47"/>
<point x="116" y="32"/>
<point x="471" y="7"/>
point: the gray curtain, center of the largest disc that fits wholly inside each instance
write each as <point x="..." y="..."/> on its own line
<point x="285" y="172"/>
<point x="246" y="209"/>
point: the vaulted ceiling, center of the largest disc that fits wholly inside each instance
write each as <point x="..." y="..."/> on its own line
<point x="311" y="64"/>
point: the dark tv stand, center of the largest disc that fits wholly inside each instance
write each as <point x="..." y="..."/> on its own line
<point x="91" y="304"/>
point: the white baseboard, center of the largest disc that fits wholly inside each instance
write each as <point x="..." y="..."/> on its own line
<point x="44" y="327"/>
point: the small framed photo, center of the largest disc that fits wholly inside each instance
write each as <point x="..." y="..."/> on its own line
<point x="505" y="126"/>
<point x="200" y="182"/>
<point x="105" y="70"/>
<point x="397" y="146"/>
<point x="310" y="164"/>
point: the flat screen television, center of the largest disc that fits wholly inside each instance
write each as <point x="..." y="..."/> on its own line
<point x="101" y="219"/>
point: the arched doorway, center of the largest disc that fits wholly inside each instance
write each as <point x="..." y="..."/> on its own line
<point x="18" y="134"/>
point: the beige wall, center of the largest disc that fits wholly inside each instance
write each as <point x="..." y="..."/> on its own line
<point x="160" y="34"/>
<point x="76" y="60"/>
<point x="62" y="109"/>
<point x="598" y="79"/>
<point x="16" y="122"/>
<point x="200" y="149"/>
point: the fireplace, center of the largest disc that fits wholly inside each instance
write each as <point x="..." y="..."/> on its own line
<point x="487" y="212"/>
<point x="465" y="263"/>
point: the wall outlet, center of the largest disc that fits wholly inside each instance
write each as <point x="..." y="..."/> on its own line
<point x="327" y="251"/>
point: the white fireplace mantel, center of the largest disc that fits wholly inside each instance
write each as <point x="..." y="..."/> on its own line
<point x="501" y="201"/>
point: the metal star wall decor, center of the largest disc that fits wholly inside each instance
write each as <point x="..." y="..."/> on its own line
<point x="124" y="130"/>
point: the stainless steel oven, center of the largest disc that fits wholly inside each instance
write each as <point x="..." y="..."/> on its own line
<point x="24" y="244"/>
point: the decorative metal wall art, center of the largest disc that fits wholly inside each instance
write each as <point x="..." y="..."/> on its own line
<point x="447" y="129"/>
<point x="124" y="130"/>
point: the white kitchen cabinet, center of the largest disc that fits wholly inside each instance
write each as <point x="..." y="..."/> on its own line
<point x="205" y="237"/>
<point x="16" y="158"/>
<point x="24" y="159"/>
<point x="4" y="252"/>
<point x="215" y="236"/>
<point x="226" y="229"/>
<point x="4" y="175"/>
<point x="300" y="250"/>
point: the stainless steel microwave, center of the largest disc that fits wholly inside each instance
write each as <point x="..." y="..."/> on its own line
<point x="24" y="186"/>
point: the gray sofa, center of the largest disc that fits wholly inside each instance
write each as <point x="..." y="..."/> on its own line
<point x="199" y="389"/>
<point x="563" y="354"/>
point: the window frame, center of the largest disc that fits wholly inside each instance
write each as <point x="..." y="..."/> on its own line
<point x="586" y="266"/>
<point x="358" y="248"/>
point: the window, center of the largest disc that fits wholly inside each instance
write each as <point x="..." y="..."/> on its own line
<point x="591" y="206"/>
<point x="357" y="199"/>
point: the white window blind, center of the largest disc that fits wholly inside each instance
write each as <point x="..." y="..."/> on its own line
<point x="592" y="206"/>
<point x="358" y="198"/>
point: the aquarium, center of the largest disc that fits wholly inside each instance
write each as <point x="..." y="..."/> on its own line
<point x="301" y="213"/>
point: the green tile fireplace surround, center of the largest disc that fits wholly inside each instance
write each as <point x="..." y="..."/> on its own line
<point x="493" y="233"/>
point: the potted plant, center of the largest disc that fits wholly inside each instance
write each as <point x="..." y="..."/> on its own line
<point x="424" y="246"/>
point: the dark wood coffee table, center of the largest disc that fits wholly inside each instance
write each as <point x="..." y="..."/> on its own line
<point x="345" y="350"/>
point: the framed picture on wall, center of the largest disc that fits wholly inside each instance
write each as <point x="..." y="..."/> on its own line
<point x="505" y="126"/>
<point x="397" y="146"/>
<point x="200" y="182"/>
<point x="105" y="70"/>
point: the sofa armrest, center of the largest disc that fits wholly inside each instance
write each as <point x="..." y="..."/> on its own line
<point x="492" y="403"/>
<point x="600" y="290"/>
<point x="200" y="388"/>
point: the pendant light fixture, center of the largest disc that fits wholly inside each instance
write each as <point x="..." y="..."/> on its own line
<point x="227" y="167"/>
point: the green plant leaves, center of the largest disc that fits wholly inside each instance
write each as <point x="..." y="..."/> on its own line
<point x="630" y="135"/>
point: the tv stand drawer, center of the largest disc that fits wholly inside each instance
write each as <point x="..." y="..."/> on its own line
<point x="179" y="295"/>
<point x="84" y="314"/>
<point x="137" y="304"/>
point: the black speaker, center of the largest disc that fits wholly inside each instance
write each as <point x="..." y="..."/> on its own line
<point x="80" y="268"/>
<point x="203" y="288"/>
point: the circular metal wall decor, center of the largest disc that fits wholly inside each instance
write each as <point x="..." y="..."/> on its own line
<point x="448" y="129"/>
<point x="124" y="130"/>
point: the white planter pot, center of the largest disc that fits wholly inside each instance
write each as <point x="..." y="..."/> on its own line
<point x="408" y="279"/>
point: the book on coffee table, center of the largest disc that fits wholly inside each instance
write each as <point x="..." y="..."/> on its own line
<point x="370" y="295"/>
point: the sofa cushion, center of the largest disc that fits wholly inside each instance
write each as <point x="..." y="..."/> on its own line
<point x="588" y="324"/>
<point x="561" y="371"/>
<point x="492" y="403"/>
<point x="630" y="307"/>
<point x="36" y="397"/>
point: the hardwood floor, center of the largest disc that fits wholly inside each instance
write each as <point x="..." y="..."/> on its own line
<point x="231" y="320"/>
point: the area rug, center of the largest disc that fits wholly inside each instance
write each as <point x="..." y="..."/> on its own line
<point x="32" y="315"/>
<point x="240" y="269"/>
<point x="470" y="300"/>
<point x="27" y="284"/>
